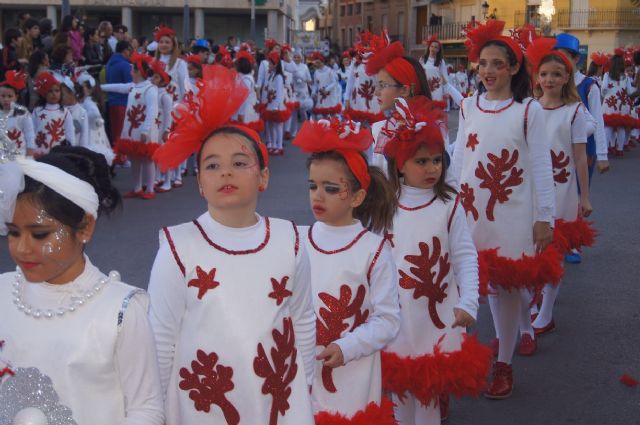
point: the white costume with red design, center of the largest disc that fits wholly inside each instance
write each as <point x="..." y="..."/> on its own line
<point x="98" y="140"/>
<point x="80" y="124"/>
<point x="462" y="81"/>
<point x="273" y="99"/>
<point x="616" y="110"/>
<point x="360" y="93"/>
<point x="179" y="74"/>
<point x="250" y="116"/>
<point x="353" y="281"/>
<point x="165" y="105"/>
<point x="436" y="77"/>
<point x="52" y="124"/>
<point x="19" y="127"/>
<point x="326" y="91"/>
<point x="438" y="271"/>
<point x="100" y="357"/>
<point x="231" y="307"/>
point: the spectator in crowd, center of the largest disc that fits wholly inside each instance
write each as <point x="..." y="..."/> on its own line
<point x="60" y="39"/>
<point x="30" y="40"/>
<point x="38" y="63"/>
<point x="45" y="35"/>
<point x="119" y="34"/>
<point x="201" y="48"/>
<point x="92" y="52"/>
<point x="62" y="61"/>
<point x="139" y="44"/>
<point x="103" y="42"/>
<point x="9" y="58"/>
<point x="22" y="19"/>
<point x="70" y="27"/>
<point x="118" y="71"/>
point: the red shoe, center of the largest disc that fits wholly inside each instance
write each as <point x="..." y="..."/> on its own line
<point x="148" y="196"/>
<point x="444" y="407"/>
<point x="619" y="154"/>
<point x="287" y="135"/>
<point x="495" y="346"/>
<point x="501" y="385"/>
<point x="528" y="345"/>
<point x="546" y="329"/>
<point x="161" y="189"/>
<point x="133" y="194"/>
<point x="627" y="147"/>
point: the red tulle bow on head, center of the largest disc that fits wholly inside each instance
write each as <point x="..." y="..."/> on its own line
<point x="270" y="43"/>
<point x="220" y="95"/>
<point x="479" y="35"/>
<point x="543" y="47"/>
<point x="15" y="79"/>
<point x="245" y="54"/>
<point x="370" y="43"/>
<point x="433" y="39"/>
<point x="599" y="59"/>
<point x="618" y="52"/>
<point x="391" y="59"/>
<point x="44" y="82"/>
<point x="158" y="67"/>
<point x="164" y="31"/>
<point x="285" y="48"/>
<point x="525" y="36"/>
<point x="137" y="59"/>
<point x="223" y="57"/>
<point x="274" y="58"/>
<point x="345" y="138"/>
<point x="317" y="56"/>
<point x="413" y="124"/>
<point x="245" y="46"/>
<point x="193" y="59"/>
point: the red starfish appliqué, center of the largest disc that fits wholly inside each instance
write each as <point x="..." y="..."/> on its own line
<point x="473" y="141"/>
<point x="137" y="96"/>
<point x="204" y="281"/>
<point x="280" y="291"/>
<point x="43" y="116"/>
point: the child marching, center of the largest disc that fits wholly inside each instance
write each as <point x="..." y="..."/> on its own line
<point x="15" y="120"/>
<point x="326" y="88"/>
<point x="247" y="114"/>
<point x="275" y="112"/>
<point x="52" y="123"/>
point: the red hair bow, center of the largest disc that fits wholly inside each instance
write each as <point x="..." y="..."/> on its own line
<point x="391" y="59"/>
<point x="317" y="56"/>
<point x="223" y="57"/>
<point x="413" y="124"/>
<point x="479" y="35"/>
<point x="285" y="48"/>
<point x="618" y="52"/>
<point x="433" y="39"/>
<point x="220" y="95"/>
<point x="137" y="59"/>
<point x="44" y="82"/>
<point x="525" y="36"/>
<point x="164" y="31"/>
<point x="543" y="47"/>
<point x="370" y="43"/>
<point x="599" y="59"/>
<point x="345" y="138"/>
<point x="245" y="54"/>
<point x="158" y="67"/>
<point x="270" y="43"/>
<point x="193" y="59"/>
<point x="15" y="79"/>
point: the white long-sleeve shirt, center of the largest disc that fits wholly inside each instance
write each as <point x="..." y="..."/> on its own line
<point x="150" y="100"/>
<point x="165" y="104"/>
<point x="18" y="118"/>
<point x="179" y="74"/>
<point x="275" y="82"/>
<point x="383" y="323"/>
<point x="80" y="124"/>
<point x="263" y="70"/>
<point x="595" y="109"/>
<point x="538" y="141"/>
<point x="168" y="293"/>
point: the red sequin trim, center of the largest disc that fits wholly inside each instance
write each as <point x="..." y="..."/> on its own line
<point x="264" y="243"/>
<point x="526" y="119"/>
<point x="575" y="113"/>
<point x="335" y="251"/>
<point x="375" y="259"/>
<point x="453" y="213"/>
<point x="496" y="111"/>
<point x="174" y="251"/>
<point x="295" y="229"/>
<point x="419" y="207"/>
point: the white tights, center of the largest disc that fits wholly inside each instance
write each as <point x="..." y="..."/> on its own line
<point x="549" y="295"/>
<point x="412" y="412"/>
<point x="276" y="133"/>
<point x="144" y="174"/>
<point x="505" y="309"/>
<point x="525" y="312"/>
<point x="617" y="137"/>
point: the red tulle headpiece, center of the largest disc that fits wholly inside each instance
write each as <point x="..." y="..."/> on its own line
<point x="370" y="43"/>
<point x="270" y="43"/>
<point x="15" y="79"/>
<point x="317" y="56"/>
<point x="391" y="59"/>
<point x="479" y="35"/>
<point x="158" y="67"/>
<point x="137" y="59"/>
<point x="618" y="52"/>
<point x="245" y="46"/>
<point x="44" y="82"/>
<point x="599" y="59"/>
<point x="194" y="59"/>
<point x="223" y="57"/>
<point x="164" y="31"/>
<point x="345" y="138"/>
<point x="413" y="124"/>
<point x="245" y="54"/>
<point x="543" y="47"/>
<point x="220" y="95"/>
<point x="274" y="58"/>
<point x="285" y="48"/>
<point x="433" y="39"/>
<point x="525" y="36"/>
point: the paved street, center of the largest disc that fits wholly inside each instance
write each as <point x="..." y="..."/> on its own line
<point x="574" y="376"/>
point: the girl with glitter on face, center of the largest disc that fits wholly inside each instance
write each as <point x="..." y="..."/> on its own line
<point x="76" y="341"/>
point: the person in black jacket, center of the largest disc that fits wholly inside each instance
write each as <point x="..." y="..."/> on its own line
<point x="91" y="51"/>
<point x="9" y="56"/>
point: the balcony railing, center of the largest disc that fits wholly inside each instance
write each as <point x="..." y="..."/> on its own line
<point x="449" y="31"/>
<point x="599" y="19"/>
<point x="520" y="18"/>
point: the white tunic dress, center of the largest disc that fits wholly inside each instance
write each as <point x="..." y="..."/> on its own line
<point x="617" y="102"/>
<point x="363" y="104"/>
<point x="19" y="127"/>
<point x="250" y="116"/>
<point x="436" y="78"/>
<point x="326" y="89"/>
<point x="80" y="124"/>
<point x="98" y="140"/>
<point x="52" y="125"/>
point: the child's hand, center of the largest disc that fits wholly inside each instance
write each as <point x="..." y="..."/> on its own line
<point x="585" y="207"/>
<point x="542" y="235"/>
<point x="463" y="319"/>
<point x="331" y="356"/>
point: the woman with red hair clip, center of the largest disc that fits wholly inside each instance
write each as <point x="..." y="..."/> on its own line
<point x="275" y="112"/>
<point x="353" y="278"/>
<point x="616" y="107"/>
<point x="503" y="167"/>
<point x="230" y="294"/>
<point x="325" y="89"/>
<point x="18" y="125"/>
<point x="432" y="357"/>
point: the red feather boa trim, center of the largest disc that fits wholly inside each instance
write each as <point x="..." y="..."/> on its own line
<point x="292" y="105"/>
<point x="373" y="414"/>
<point x="363" y="116"/>
<point x="276" y="116"/>
<point x="620" y="120"/>
<point x="135" y="149"/>
<point x="575" y="234"/>
<point x="530" y="272"/>
<point x="328" y="111"/>
<point x="458" y="373"/>
<point x="629" y="380"/>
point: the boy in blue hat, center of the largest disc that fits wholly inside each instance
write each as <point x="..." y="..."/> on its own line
<point x="201" y="48"/>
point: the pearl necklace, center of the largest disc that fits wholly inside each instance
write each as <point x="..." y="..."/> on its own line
<point x="76" y="301"/>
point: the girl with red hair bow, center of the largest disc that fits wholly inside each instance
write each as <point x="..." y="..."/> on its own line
<point x="275" y="112"/>
<point x="353" y="279"/>
<point x="140" y="134"/>
<point x="437" y="262"/>
<point x="437" y="74"/>
<point x="247" y="114"/>
<point x="230" y="294"/>
<point x="263" y="68"/>
<point x="503" y="167"/>
<point x="18" y="124"/>
<point x="325" y="89"/>
<point x="617" y="104"/>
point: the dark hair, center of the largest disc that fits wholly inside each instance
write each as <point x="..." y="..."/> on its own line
<point x="441" y="189"/>
<point x="42" y="100"/>
<point x="636" y="57"/>
<point x="593" y="69"/>
<point x="10" y="35"/>
<point x="237" y="131"/>
<point x="243" y="66"/>
<point x="120" y="27"/>
<point x="45" y="26"/>
<point x="438" y="58"/>
<point x="122" y="45"/>
<point x="521" y="82"/>
<point x="67" y="23"/>
<point x="379" y="206"/>
<point x="59" y="53"/>
<point x="616" y="68"/>
<point x="30" y="23"/>
<point x="35" y="60"/>
<point x="278" y="70"/>
<point x="88" y="32"/>
<point x="60" y="38"/>
<point x="85" y="165"/>
<point x="422" y="78"/>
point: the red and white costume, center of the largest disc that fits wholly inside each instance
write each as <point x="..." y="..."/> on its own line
<point x="233" y="321"/>
<point x="462" y="82"/>
<point x="436" y="77"/>
<point x="52" y="125"/>
<point x="250" y="116"/>
<point x="19" y="127"/>
<point x="616" y="110"/>
<point x="179" y="74"/>
<point x="273" y="99"/>
<point x="353" y="282"/>
<point x="80" y="124"/>
<point x="98" y="140"/>
<point x="360" y="92"/>
<point x="326" y="90"/>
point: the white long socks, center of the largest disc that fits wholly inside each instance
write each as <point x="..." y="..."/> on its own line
<point x="506" y="317"/>
<point x="148" y="174"/>
<point x="267" y="134"/>
<point x="136" y="173"/>
<point x="525" y="312"/>
<point x="493" y="306"/>
<point x="616" y="137"/>
<point x="278" y="134"/>
<point x="550" y="293"/>
<point x="412" y="412"/>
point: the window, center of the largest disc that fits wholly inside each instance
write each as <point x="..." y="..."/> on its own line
<point x="343" y="39"/>
<point x="350" y="38"/>
<point x="358" y="8"/>
<point x="350" y="10"/>
<point x="401" y="25"/>
<point x="384" y="21"/>
<point x="342" y="9"/>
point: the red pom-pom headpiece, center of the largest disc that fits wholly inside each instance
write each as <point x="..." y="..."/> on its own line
<point x="223" y="57"/>
<point x="137" y="59"/>
<point x="345" y="138"/>
<point x="194" y="59"/>
<point x="524" y="36"/>
<point x="543" y="47"/>
<point x="159" y="67"/>
<point x="599" y="59"/>
<point x="245" y="54"/>
<point x="164" y="31"/>
<point x="274" y="58"/>
<point x="479" y="35"/>
<point x="618" y="52"/>
<point x="433" y="39"/>
<point x="15" y="79"/>
<point x="413" y="124"/>
<point x="391" y="59"/>
<point x="369" y="43"/>
<point x="270" y="43"/>
<point x="285" y="48"/>
<point x="317" y="56"/>
<point x="44" y="82"/>
<point x="220" y="95"/>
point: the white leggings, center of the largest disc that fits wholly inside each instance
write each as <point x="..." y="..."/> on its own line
<point x="412" y="412"/>
<point x="275" y="131"/>
<point x="549" y="295"/>
<point x="505" y="309"/>
<point x="144" y="174"/>
<point x="617" y="137"/>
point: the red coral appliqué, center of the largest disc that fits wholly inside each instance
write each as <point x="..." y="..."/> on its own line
<point x="204" y="282"/>
<point x="559" y="161"/>
<point x="367" y="91"/>
<point x="492" y="178"/>
<point x="56" y="130"/>
<point x="473" y="141"/>
<point x="14" y="134"/>
<point x="136" y="116"/>
<point x="434" y="84"/>
<point x="280" y="291"/>
<point x="467" y="198"/>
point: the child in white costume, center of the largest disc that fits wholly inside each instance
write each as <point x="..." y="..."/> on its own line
<point x="231" y="306"/>
<point x="616" y="107"/>
<point x="78" y="113"/>
<point x="438" y="75"/>
<point x="104" y="369"/>
<point x="432" y="356"/>
<point x="275" y="112"/>
<point x="353" y="277"/>
<point x="52" y="123"/>
<point x="247" y="114"/>
<point x="161" y="80"/>
<point x="325" y="86"/>
<point x="15" y="120"/>
<point x="98" y="140"/>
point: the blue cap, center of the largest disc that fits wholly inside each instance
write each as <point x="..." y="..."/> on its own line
<point x="201" y="42"/>
<point x="568" y="42"/>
